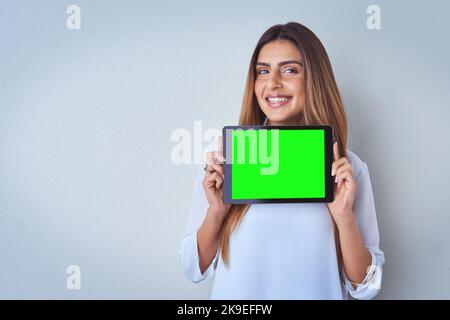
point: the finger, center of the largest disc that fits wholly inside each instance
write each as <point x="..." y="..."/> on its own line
<point x="219" y="143"/>
<point x="214" y="157"/>
<point x="211" y="176"/>
<point x="219" y="182"/>
<point x="213" y="180"/>
<point x="340" y="174"/>
<point x="344" y="176"/>
<point x="336" y="151"/>
<point x="209" y="170"/>
<point x="346" y="166"/>
<point x="219" y="156"/>
<point x="218" y="168"/>
<point x="208" y="181"/>
<point x="336" y="164"/>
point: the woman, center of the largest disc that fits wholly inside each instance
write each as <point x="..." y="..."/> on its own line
<point x="287" y="250"/>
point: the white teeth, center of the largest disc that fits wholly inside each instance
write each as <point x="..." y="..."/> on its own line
<point x="278" y="99"/>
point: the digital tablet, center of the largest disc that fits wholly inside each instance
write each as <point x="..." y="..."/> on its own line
<point x="273" y="164"/>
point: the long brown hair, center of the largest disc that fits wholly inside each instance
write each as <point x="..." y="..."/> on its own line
<point x="323" y="105"/>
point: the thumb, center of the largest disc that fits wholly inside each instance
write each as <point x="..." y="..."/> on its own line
<point x="219" y="143"/>
<point x="336" y="151"/>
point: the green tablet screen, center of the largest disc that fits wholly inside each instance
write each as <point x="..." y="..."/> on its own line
<point x="275" y="164"/>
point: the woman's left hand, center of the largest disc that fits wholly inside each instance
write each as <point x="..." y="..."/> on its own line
<point x="344" y="188"/>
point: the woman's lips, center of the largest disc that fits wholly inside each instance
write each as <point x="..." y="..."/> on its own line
<point x="276" y="102"/>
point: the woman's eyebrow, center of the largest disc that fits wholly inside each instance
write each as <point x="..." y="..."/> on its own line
<point x="282" y="63"/>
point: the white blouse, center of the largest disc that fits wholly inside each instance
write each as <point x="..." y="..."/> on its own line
<point x="285" y="250"/>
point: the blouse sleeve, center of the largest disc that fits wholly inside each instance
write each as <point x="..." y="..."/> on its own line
<point x="188" y="250"/>
<point x="364" y="208"/>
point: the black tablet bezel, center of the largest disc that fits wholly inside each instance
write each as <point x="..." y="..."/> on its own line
<point x="329" y="179"/>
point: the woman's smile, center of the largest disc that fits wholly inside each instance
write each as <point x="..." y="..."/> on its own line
<point x="277" y="100"/>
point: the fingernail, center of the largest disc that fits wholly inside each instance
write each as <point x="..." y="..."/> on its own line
<point x="335" y="180"/>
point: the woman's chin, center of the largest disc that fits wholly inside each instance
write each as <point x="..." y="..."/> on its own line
<point x="277" y="116"/>
<point x="281" y="119"/>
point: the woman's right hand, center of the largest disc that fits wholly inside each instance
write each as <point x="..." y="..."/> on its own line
<point x="213" y="181"/>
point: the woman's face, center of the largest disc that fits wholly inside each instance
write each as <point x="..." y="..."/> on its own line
<point x="280" y="83"/>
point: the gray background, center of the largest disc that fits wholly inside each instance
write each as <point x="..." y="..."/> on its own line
<point x="86" y="117"/>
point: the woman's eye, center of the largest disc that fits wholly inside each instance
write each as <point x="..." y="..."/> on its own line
<point x="263" y="71"/>
<point x="290" y="70"/>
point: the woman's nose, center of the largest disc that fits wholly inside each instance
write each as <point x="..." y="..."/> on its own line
<point x="274" y="80"/>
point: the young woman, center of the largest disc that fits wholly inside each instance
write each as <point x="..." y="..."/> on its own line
<point x="287" y="250"/>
